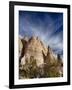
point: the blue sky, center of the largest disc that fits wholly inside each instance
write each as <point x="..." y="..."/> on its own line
<point x="48" y="26"/>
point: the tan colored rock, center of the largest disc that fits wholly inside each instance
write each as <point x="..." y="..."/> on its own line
<point x="35" y="48"/>
<point x="45" y="59"/>
<point x="50" y="59"/>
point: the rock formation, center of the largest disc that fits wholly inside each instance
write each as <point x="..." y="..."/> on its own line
<point x="34" y="47"/>
<point x="46" y="60"/>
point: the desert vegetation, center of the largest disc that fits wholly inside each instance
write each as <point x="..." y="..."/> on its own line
<point x="31" y="70"/>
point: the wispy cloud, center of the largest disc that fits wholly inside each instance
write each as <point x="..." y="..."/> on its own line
<point x="47" y="26"/>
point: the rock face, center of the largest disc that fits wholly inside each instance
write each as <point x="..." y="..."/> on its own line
<point x="34" y="47"/>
